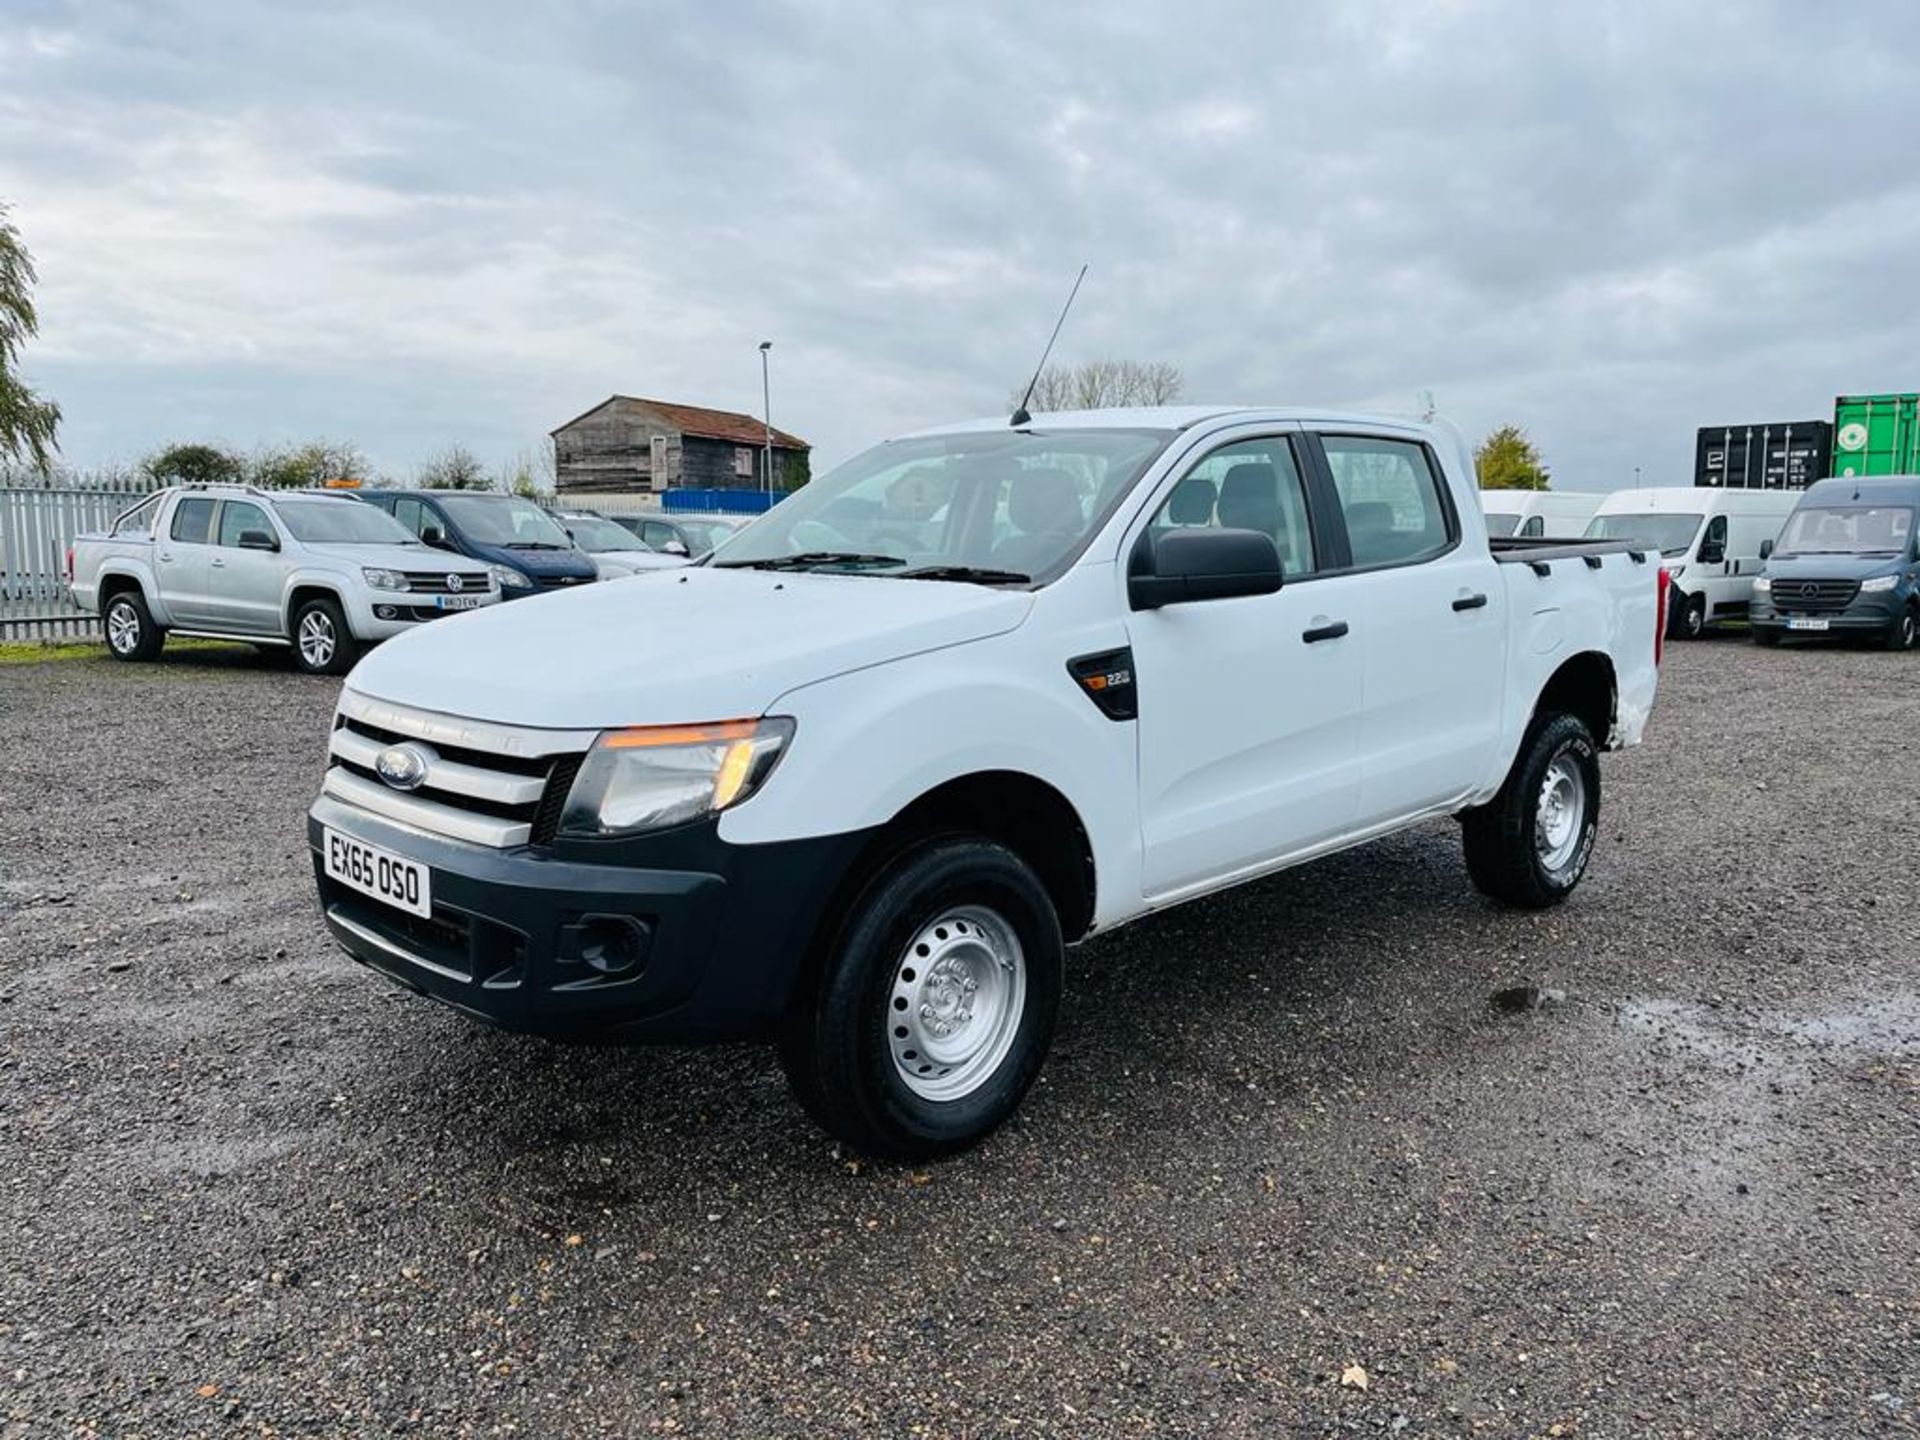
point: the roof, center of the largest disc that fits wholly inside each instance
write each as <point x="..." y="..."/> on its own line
<point x="698" y="420"/>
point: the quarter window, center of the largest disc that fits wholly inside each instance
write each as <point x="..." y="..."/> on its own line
<point x="1251" y="485"/>
<point x="410" y="513"/>
<point x="237" y="517"/>
<point x="1535" y="527"/>
<point x="1390" y="499"/>
<point x="192" y="521"/>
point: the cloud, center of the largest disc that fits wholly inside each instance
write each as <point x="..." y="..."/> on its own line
<point x="471" y="222"/>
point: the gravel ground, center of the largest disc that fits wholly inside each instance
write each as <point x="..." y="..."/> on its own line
<point x="1285" y="1137"/>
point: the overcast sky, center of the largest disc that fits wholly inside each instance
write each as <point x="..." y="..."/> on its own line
<point x="406" y="224"/>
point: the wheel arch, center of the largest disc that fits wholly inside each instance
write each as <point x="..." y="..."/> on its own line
<point x="118" y="582"/>
<point x="304" y="590"/>
<point x="1586" y="687"/>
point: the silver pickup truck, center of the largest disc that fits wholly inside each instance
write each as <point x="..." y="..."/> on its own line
<point x="321" y="573"/>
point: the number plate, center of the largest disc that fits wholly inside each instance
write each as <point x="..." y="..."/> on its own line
<point x="1805" y="622"/>
<point x="402" y="883"/>
<point x="460" y="602"/>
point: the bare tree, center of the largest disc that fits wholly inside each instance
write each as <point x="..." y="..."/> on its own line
<point x="1105" y="385"/>
<point x="455" y="468"/>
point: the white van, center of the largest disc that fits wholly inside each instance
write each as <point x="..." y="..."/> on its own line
<point x="1535" y="514"/>
<point x="1712" y="542"/>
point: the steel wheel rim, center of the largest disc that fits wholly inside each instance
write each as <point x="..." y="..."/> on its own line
<point x="1696" y="618"/>
<point x="1560" y="813"/>
<point x="123" y="628"/>
<point x="959" y="991"/>
<point x="316" y="638"/>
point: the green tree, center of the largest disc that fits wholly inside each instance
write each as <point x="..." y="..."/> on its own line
<point x="303" y="467"/>
<point x="455" y="468"/>
<point x="1508" y="460"/>
<point x="797" y="471"/>
<point x="195" y="464"/>
<point x="27" y="423"/>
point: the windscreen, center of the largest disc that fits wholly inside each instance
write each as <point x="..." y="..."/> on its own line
<point x="1670" y="534"/>
<point x="1847" y="530"/>
<point x="590" y="532"/>
<point x="340" y="522"/>
<point x="1501" y="522"/>
<point x="505" y="520"/>
<point x="1010" y="505"/>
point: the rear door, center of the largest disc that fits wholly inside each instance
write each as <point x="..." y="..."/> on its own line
<point x="180" y="560"/>
<point x="1248" y="706"/>
<point x="244" y="586"/>
<point x="1432" y="614"/>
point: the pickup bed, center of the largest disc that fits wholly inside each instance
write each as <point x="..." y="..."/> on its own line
<point x="977" y="694"/>
<point x="318" y="573"/>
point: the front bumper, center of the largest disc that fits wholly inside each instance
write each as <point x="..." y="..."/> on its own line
<point x="410" y="610"/>
<point x="1872" y="614"/>
<point x="721" y="930"/>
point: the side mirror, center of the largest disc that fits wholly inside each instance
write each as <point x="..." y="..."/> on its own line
<point x="1180" y="566"/>
<point x="433" y="535"/>
<point x="258" y="540"/>
<point x="1766" y="548"/>
<point x="675" y="547"/>
<point x="570" y="535"/>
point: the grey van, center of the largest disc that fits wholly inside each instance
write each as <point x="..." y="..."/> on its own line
<point x="1846" y="564"/>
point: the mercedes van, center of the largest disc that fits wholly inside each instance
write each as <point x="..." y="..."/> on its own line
<point x="1846" y="564"/>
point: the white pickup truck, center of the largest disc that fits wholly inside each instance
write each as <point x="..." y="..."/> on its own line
<point x="975" y="695"/>
<point x="321" y="573"/>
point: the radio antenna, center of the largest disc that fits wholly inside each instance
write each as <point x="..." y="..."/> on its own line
<point x="1020" y="415"/>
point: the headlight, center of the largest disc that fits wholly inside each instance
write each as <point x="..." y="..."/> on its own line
<point x="654" y="776"/>
<point x="1762" y="584"/>
<point x="385" y="579"/>
<point x="1676" y="571"/>
<point x="509" y="578"/>
<point x="1878" y="583"/>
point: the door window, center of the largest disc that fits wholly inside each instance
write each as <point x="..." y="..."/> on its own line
<point x="237" y="517"/>
<point x="193" y="521"/>
<point x="1535" y="527"/>
<point x="1713" y="544"/>
<point x="657" y="536"/>
<point x="410" y="513"/>
<point x="1390" y="498"/>
<point x="1249" y="485"/>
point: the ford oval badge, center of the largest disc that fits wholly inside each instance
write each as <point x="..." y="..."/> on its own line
<point x="404" y="767"/>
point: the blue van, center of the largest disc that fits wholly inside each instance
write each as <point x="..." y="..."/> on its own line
<point x="1846" y="564"/>
<point x="528" y="550"/>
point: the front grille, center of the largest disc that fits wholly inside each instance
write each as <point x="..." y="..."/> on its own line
<point x="440" y="582"/>
<point x="487" y="784"/>
<point x="1812" y="597"/>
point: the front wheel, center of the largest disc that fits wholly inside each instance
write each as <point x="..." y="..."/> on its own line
<point x="1690" y="618"/>
<point x="1900" y="635"/>
<point x="1529" y="845"/>
<point x="322" y="644"/>
<point x="935" y="1005"/>
<point x="131" y="633"/>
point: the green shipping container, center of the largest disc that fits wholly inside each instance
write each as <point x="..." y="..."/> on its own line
<point x="1876" y="435"/>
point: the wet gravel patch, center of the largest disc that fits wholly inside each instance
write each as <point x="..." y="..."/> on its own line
<point x="1292" y="1169"/>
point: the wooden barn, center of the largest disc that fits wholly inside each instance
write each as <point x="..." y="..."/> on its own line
<point x="629" y="445"/>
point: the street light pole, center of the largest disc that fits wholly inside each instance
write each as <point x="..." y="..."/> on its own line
<point x="766" y="402"/>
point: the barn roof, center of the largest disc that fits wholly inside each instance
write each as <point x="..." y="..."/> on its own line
<point x="699" y="421"/>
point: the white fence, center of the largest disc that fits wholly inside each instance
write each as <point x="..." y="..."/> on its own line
<point x="36" y="526"/>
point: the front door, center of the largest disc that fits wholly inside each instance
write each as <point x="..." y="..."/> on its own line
<point x="1249" y="707"/>
<point x="244" y="586"/>
<point x="180" y="561"/>
<point x="1432" y="614"/>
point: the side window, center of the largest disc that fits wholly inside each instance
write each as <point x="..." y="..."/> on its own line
<point x="1250" y="485"/>
<point x="237" y="517"/>
<point x="1536" y="526"/>
<point x="655" y="536"/>
<point x="1716" y="537"/>
<point x="410" y="513"/>
<point x="192" y="521"/>
<point x="1390" y="498"/>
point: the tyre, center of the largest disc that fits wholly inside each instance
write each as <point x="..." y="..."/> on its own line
<point x="1530" y="844"/>
<point x="1900" y="635"/>
<point x="934" y="1006"/>
<point x="131" y="633"/>
<point x="322" y="644"/>
<point x="1690" y="619"/>
<point x="1767" y="639"/>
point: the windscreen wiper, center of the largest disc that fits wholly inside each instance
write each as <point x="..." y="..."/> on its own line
<point x="807" y="559"/>
<point x="976" y="574"/>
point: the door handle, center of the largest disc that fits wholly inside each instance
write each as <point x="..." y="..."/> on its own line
<point x="217" y="564"/>
<point x="1324" y="632"/>
<point x="166" y="557"/>
<point x="1469" y="602"/>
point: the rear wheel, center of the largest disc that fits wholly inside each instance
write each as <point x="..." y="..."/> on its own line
<point x="1530" y="844"/>
<point x="1900" y="634"/>
<point x="934" y="1009"/>
<point x="322" y="644"/>
<point x="131" y="633"/>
